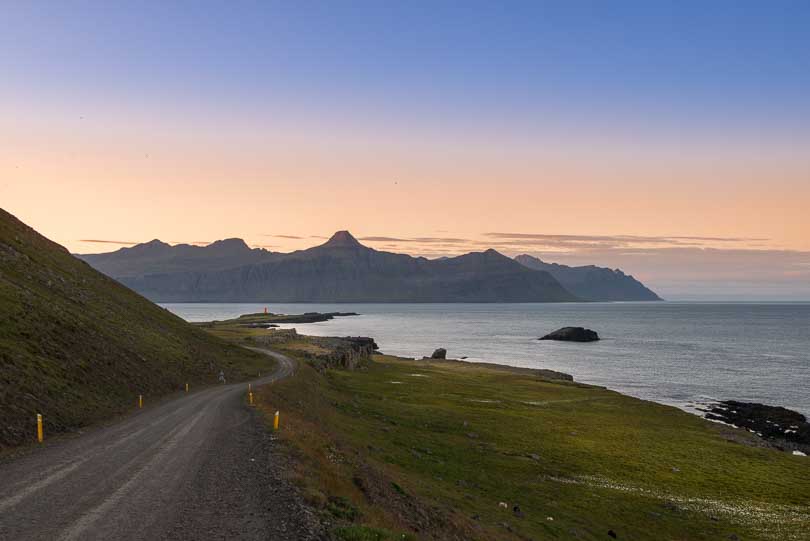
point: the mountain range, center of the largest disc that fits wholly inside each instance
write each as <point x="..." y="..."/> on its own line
<point x="593" y="283"/>
<point x="340" y="270"/>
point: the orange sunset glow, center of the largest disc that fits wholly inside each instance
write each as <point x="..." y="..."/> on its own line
<point x="99" y="170"/>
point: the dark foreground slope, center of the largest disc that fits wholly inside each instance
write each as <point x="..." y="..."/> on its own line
<point x="593" y="283"/>
<point x="343" y="270"/>
<point x="77" y="346"/>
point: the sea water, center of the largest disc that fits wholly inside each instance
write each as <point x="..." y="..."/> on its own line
<point x="676" y="353"/>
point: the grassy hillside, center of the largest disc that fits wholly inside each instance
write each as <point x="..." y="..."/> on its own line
<point x="441" y="450"/>
<point x="77" y="346"/>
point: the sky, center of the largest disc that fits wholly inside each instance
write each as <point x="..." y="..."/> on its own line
<point x="670" y="139"/>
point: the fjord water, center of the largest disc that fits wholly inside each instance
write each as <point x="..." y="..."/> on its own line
<point x="681" y="354"/>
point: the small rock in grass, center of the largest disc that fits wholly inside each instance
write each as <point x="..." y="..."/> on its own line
<point x="675" y="470"/>
<point x="472" y="435"/>
<point x="534" y="456"/>
<point x="612" y="534"/>
<point x="516" y="510"/>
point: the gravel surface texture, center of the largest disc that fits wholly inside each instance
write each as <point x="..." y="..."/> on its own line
<point x="202" y="466"/>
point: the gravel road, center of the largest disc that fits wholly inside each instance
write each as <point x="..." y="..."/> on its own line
<point x="201" y="466"/>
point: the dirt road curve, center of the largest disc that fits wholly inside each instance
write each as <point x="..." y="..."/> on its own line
<point x="198" y="467"/>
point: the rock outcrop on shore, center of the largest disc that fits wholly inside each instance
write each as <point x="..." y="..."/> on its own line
<point x="439" y="353"/>
<point x="347" y="352"/>
<point x="786" y="429"/>
<point x="307" y="317"/>
<point x="572" y="334"/>
<point x="269" y="320"/>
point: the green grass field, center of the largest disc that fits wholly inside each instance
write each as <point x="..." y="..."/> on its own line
<point x="434" y="450"/>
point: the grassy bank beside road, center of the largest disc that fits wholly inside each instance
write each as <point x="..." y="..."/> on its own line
<point x="78" y="347"/>
<point x="449" y="450"/>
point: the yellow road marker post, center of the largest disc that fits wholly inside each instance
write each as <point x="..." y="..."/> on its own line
<point x="186" y="387"/>
<point x="250" y="398"/>
<point x="39" y="428"/>
<point x="140" y="401"/>
<point x="275" y="421"/>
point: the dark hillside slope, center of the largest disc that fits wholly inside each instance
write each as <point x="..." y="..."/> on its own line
<point x="78" y="346"/>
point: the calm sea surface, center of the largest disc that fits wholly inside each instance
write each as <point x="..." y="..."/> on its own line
<point x="674" y="353"/>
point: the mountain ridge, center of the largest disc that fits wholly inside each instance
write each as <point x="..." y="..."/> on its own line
<point x="592" y="282"/>
<point x="339" y="270"/>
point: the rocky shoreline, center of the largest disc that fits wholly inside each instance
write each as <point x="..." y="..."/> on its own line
<point x="784" y="429"/>
<point x="270" y="320"/>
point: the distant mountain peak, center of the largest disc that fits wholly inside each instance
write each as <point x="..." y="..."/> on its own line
<point x="342" y="239"/>
<point x="154" y="246"/>
<point x="232" y="244"/>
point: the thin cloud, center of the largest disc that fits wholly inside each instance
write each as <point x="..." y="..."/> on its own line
<point x="103" y="241"/>
<point x="725" y="239"/>
<point x="425" y="240"/>
<point x="640" y="239"/>
<point x="382" y="239"/>
<point x="293" y="237"/>
<point x="517" y="242"/>
<point x="677" y="263"/>
<point x="133" y="243"/>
